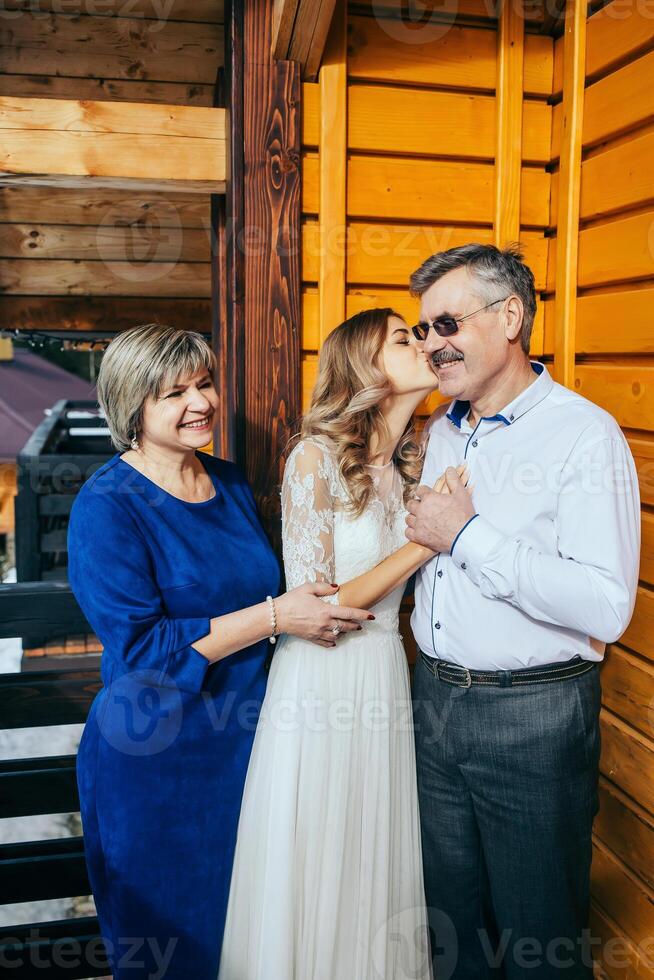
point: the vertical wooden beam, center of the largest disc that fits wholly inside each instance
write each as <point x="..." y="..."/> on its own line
<point x="567" y="233"/>
<point x="271" y="243"/>
<point x="228" y="259"/>
<point x="333" y="175"/>
<point x="508" y="153"/>
<point x="256" y="243"/>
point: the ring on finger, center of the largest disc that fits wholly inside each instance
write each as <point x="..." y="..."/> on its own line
<point x="335" y="630"/>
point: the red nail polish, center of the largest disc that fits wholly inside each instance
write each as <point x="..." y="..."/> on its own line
<point x="334" y="585"/>
<point x="371" y="616"/>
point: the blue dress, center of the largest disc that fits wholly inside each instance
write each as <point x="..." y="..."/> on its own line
<point x="163" y="756"/>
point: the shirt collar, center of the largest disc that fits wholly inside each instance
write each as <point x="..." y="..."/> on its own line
<point x="526" y="400"/>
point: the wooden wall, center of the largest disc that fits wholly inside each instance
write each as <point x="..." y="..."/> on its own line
<point x="105" y="259"/>
<point x="402" y="140"/>
<point x="414" y="169"/>
<point x="411" y="171"/>
<point x="610" y="348"/>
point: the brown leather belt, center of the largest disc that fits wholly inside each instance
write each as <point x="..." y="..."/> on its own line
<point x="464" y="677"/>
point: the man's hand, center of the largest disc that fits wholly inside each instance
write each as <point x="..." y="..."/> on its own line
<point x="435" y="518"/>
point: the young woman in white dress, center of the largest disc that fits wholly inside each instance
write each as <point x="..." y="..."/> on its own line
<point x="327" y="878"/>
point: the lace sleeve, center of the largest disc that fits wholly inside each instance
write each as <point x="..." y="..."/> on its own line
<point x="308" y="516"/>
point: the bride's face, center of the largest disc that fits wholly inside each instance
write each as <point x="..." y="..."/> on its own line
<point x="404" y="362"/>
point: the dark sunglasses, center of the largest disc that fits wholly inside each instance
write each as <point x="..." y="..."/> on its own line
<point x="445" y="326"/>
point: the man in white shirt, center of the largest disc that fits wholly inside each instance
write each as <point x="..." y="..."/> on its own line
<point x="532" y="576"/>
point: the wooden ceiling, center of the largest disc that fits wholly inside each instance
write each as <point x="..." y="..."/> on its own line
<point x="109" y="150"/>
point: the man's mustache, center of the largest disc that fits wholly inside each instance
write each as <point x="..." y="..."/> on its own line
<point x="441" y="357"/>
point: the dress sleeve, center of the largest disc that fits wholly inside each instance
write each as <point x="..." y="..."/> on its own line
<point x="308" y="516"/>
<point x="111" y="574"/>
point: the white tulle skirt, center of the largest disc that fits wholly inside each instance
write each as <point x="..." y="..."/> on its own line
<point x="327" y="881"/>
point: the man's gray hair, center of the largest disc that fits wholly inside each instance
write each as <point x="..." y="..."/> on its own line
<point x="501" y="272"/>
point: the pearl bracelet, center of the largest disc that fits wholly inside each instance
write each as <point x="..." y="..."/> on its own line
<point x="273" y="618"/>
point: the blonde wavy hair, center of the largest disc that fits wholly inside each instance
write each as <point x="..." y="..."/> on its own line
<point x="346" y="405"/>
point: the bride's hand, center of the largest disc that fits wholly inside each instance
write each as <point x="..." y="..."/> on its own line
<point x="302" y="612"/>
<point x="464" y="475"/>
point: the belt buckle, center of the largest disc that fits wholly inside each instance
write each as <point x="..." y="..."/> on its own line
<point x="464" y="684"/>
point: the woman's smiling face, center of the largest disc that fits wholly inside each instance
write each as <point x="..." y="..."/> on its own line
<point x="183" y="415"/>
<point x="404" y="362"/>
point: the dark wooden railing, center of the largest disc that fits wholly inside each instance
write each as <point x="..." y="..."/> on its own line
<point x="45" y="869"/>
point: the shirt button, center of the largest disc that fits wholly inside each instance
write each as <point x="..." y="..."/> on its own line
<point x="437" y="625"/>
<point x="440" y="573"/>
<point x="475" y="444"/>
<point x="463" y="565"/>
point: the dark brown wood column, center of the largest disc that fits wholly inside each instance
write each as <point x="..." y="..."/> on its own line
<point x="257" y="246"/>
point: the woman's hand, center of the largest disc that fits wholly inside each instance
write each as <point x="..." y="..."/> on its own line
<point x="302" y="612"/>
<point x="464" y="475"/>
<point x="441" y="487"/>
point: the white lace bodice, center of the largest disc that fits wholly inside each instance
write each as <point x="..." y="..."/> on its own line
<point x="322" y="541"/>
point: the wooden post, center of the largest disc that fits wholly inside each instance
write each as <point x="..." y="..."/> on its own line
<point x="508" y="153"/>
<point x="257" y="325"/>
<point x="567" y="232"/>
<point x="333" y="176"/>
<point x="228" y="260"/>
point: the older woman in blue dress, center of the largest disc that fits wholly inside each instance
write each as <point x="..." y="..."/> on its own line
<point x="171" y="566"/>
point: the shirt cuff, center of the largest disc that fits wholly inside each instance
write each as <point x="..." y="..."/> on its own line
<point x="187" y="667"/>
<point x="475" y="542"/>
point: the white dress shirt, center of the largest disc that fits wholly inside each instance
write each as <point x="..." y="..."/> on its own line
<point x="548" y="566"/>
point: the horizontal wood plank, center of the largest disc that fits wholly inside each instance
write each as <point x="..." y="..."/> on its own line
<point x="395" y="188"/>
<point x="111" y="47"/>
<point x="34" y="786"/>
<point x="199" y="11"/>
<point x="106" y="89"/>
<point x="617" y="250"/>
<point x="627" y="393"/>
<point x="102" y="314"/>
<point x="399" y="300"/>
<point x="98" y="207"/>
<point x="614" y="33"/>
<point x="462" y="57"/>
<point x="616" y="955"/>
<point x="134" y="143"/>
<point x="356" y="301"/>
<point x="396" y="120"/>
<point x="627" y="759"/>
<point x="618" y="178"/>
<point x="599" y="313"/>
<point x="628" y="901"/>
<point x="639" y="635"/>
<point x="628" y="688"/>
<point x="642" y="447"/>
<point x="386" y="255"/>
<point x="64" y="277"/>
<point x="109" y="242"/>
<point x="647" y="549"/>
<point x="35" y="698"/>
<point x="619" y="102"/>
<point x="137" y="119"/>
<point x="627" y="829"/>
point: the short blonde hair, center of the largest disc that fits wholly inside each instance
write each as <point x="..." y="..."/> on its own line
<point x="142" y="362"/>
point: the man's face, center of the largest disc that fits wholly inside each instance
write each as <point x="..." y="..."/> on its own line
<point x="467" y="362"/>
